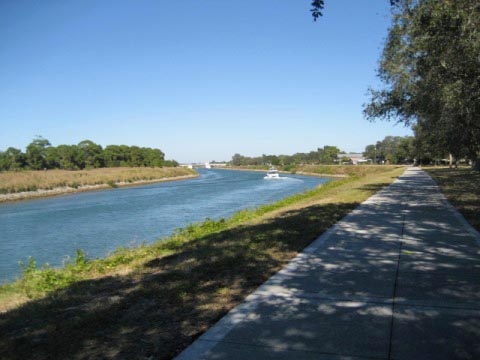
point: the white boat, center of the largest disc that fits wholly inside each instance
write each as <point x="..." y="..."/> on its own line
<point x="272" y="174"/>
<point x="207" y="165"/>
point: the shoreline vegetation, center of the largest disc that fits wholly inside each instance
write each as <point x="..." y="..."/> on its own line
<point x="266" y="168"/>
<point x="32" y="184"/>
<point x="331" y="171"/>
<point x="154" y="300"/>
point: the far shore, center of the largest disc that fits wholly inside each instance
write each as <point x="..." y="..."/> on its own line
<point x="41" y="193"/>
<point x="238" y="168"/>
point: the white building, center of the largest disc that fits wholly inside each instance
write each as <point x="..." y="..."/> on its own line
<point x="357" y="158"/>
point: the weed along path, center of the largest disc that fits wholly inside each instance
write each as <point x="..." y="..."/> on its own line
<point x="398" y="278"/>
<point x="154" y="300"/>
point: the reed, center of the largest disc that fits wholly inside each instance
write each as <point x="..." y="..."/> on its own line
<point x="20" y="181"/>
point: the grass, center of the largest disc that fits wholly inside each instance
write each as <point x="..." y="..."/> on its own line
<point x="153" y="301"/>
<point x="462" y="188"/>
<point x="332" y="170"/>
<point x="19" y="181"/>
<point x="349" y="170"/>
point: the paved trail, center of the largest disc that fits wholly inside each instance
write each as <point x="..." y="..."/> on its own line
<point x="398" y="278"/>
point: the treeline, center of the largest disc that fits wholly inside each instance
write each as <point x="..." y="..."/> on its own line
<point x="393" y="150"/>
<point x="411" y="150"/>
<point x="40" y="154"/>
<point x="325" y="155"/>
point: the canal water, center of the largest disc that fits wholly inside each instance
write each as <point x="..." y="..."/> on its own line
<point x="98" y="222"/>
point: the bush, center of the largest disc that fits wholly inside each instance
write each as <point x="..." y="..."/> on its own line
<point x="112" y="184"/>
<point x="75" y="185"/>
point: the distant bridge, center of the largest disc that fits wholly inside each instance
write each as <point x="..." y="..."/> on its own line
<point x="206" y="165"/>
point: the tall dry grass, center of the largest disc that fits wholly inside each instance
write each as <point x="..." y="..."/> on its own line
<point x="18" y="181"/>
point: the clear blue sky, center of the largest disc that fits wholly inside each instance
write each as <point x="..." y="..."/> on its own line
<point x="200" y="80"/>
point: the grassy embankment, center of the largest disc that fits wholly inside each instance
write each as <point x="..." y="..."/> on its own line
<point x="462" y="188"/>
<point x="324" y="170"/>
<point x="16" y="185"/>
<point x="155" y="300"/>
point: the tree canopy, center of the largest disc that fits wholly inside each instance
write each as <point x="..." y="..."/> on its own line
<point x="431" y="70"/>
<point x="85" y="155"/>
<point x="392" y="150"/>
<point x="317" y="8"/>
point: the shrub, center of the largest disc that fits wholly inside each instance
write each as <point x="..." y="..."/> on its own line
<point x="112" y="184"/>
<point x="75" y="185"/>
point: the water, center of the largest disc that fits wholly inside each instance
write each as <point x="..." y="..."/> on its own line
<point x="98" y="222"/>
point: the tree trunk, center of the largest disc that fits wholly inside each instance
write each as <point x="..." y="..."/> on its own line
<point x="476" y="163"/>
<point x="450" y="160"/>
<point x="474" y="157"/>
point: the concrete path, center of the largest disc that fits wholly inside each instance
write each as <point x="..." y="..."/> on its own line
<point x="398" y="278"/>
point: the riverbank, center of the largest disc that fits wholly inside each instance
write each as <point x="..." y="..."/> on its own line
<point x="152" y="301"/>
<point x="24" y="185"/>
<point x="266" y="168"/>
<point x="323" y="171"/>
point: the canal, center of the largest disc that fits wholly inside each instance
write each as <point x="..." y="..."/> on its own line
<point x="51" y="229"/>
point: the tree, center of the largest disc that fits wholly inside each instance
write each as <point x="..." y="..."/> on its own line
<point x="137" y="156"/>
<point x="69" y="157"/>
<point x="406" y="150"/>
<point x="426" y="149"/>
<point x="91" y="154"/>
<point x="430" y="68"/>
<point x="153" y="157"/>
<point x="346" y="160"/>
<point x="237" y="160"/>
<point x="317" y="8"/>
<point x="51" y="158"/>
<point x="392" y="149"/>
<point x="40" y="154"/>
<point x="328" y="154"/>
<point x="112" y="156"/>
<point x="388" y="148"/>
<point x="370" y="153"/>
<point x="36" y="153"/>
<point x="12" y="159"/>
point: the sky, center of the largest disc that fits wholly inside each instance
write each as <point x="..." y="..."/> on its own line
<point x="200" y="80"/>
